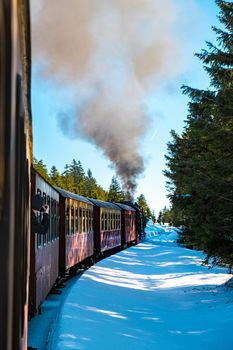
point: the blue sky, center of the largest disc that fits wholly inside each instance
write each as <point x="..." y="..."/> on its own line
<point x="167" y="106"/>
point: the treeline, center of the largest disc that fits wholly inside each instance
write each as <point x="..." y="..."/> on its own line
<point x="74" y="179"/>
<point x="200" y="161"/>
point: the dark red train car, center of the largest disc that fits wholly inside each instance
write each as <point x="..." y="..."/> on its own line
<point x="107" y="227"/>
<point x="44" y="262"/>
<point x="76" y="230"/>
<point x="128" y="225"/>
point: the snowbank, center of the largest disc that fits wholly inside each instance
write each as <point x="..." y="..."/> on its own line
<point x="155" y="295"/>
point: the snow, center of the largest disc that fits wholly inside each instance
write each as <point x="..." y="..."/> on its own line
<point x="156" y="295"/>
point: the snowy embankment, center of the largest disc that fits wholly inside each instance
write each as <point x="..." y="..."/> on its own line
<point x="155" y="295"/>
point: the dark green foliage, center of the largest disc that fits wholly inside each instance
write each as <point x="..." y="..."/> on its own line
<point x="115" y="193"/>
<point x="165" y="216"/>
<point x="41" y="168"/>
<point x="141" y="200"/>
<point x="200" y="161"/>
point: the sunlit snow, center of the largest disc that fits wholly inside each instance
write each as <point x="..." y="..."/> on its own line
<point x="156" y="295"/>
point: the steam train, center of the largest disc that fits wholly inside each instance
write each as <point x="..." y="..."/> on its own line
<point x="81" y="230"/>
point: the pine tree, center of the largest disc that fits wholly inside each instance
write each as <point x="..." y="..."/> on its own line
<point x="200" y="160"/>
<point x="78" y="174"/>
<point x="41" y="168"/>
<point x="115" y="193"/>
<point x="55" y="177"/>
<point x="141" y="200"/>
<point x="68" y="179"/>
<point x="90" y="185"/>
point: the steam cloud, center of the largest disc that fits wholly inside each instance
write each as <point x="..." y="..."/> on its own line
<point x="112" y="52"/>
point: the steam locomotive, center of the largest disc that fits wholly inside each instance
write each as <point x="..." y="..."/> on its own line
<point x="81" y="230"/>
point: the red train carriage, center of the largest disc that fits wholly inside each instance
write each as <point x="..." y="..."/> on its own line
<point x="76" y="230"/>
<point x="107" y="227"/>
<point x="44" y="262"/>
<point x="128" y="225"/>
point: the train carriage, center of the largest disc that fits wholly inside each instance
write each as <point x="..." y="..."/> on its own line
<point x="44" y="262"/>
<point x="15" y="159"/>
<point x="76" y="230"/>
<point x="107" y="228"/>
<point x="128" y="225"/>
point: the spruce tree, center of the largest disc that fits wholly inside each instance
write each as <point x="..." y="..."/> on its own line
<point x="78" y="174"/>
<point x="115" y="193"/>
<point x="141" y="200"/>
<point x="200" y="160"/>
<point x="68" y="179"/>
<point x="55" y="177"/>
<point x="41" y="168"/>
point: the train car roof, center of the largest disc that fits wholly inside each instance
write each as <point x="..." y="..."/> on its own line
<point x="67" y="194"/>
<point x="103" y="204"/>
<point x="132" y="204"/>
<point x="125" y="206"/>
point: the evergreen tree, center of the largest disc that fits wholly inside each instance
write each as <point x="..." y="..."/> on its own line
<point x="68" y="179"/>
<point x="141" y="200"/>
<point x="153" y="217"/>
<point x="200" y="160"/>
<point x="101" y="193"/>
<point x="159" y="219"/>
<point x="55" y="177"/>
<point x="115" y="193"/>
<point x="78" y="174"/>
<point x="41" y="168"/>
<point x="90" y="185"/>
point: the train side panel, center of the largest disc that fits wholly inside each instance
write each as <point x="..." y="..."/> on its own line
<point x="79" y="232"/>
<point x="130" y="226"/>
<point x="76" y="230"/>
<point x="107" y="228"/>
<point x="44" y="248"/>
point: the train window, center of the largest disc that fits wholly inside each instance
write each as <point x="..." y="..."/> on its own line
<point x="91" y="228"/>
<point x="112" y="221"/>
<point x="57" y="219"/>
<point x="83" y="221"/>
<point x="67" y="220"/>
<point x="76" y="221"/>
<point x="52" y="218"/>
<point x="102" y="221"/>
<point x="39" y="241"/>
<point x="108" y="221"/>
<point x="87" y="220"/>
<point x="49" y="234"/>
<point x="105" y="221"/>
<point x="72" y="221"/>
<point x="54" y="230"/>
<point x="44" y="197"/>
<point x="80" y="220"/>
<point x="118" y="221"/>
<point x="91" y="220"/>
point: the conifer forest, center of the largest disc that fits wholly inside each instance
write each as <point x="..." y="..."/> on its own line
<point x="200" y="160"/>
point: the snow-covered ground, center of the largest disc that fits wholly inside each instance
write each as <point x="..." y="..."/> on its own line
<point x="155" y="295"/>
